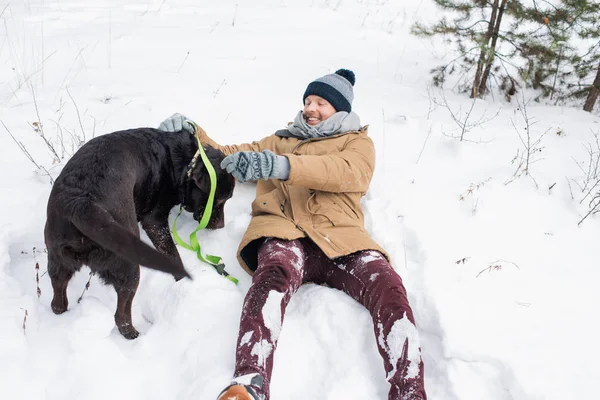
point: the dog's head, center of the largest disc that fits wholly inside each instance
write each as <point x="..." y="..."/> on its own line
<point x="198" y="189"/>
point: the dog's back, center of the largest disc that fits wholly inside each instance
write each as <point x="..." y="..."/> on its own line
<point x="92" y="207"/>
<point x="109" y="185"/>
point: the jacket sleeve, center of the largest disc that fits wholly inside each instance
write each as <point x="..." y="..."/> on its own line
<point x="349" y="170"/>
<point x="264" y="144"/>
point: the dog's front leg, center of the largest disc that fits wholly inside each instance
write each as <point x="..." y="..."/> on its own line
<point x="158" y="231"/>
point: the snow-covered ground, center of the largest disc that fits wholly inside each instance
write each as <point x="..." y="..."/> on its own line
<point x="502" y="280"/>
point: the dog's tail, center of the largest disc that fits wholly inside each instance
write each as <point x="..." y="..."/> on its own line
<point x="97" y="224"/>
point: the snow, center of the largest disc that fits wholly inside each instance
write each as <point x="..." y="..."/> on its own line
<point x="271" y="313"/>
<point x="503" y="283"/>
<point x="263" y="350"/>
<point x="403" y="333"/>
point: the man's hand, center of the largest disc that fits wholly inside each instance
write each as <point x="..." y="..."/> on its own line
<point x="177" y="122"/>
<point x="252" y="165"/>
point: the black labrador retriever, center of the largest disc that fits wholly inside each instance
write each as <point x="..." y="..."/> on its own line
<point x="111" y="183"/>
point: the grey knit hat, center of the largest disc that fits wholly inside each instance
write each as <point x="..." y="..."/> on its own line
<point x="335" y="88"/>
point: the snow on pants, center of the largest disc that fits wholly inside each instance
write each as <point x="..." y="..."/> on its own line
<point x="283" y="265"/>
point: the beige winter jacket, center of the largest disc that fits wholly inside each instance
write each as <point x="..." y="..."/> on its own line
<point x="321" y="198"/>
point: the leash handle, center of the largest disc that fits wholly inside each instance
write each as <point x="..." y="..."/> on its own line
<point x="194" y="246"/>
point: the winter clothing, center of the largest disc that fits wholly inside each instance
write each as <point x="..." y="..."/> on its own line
<point x="335" y="88"/>
<point x="339" y="122"/>
<point x="176" y="122"/>
<point x="321" y="198"/>
<point x="252" y="166"/>
<point x="310" y="228"/>
<point x="366" y="276"/>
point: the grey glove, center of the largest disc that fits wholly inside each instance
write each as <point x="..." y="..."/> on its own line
<point x="253" y="165"/>
<point x="177" y="122"/>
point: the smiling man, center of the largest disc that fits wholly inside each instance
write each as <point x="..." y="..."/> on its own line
<point x="308" y="226"/>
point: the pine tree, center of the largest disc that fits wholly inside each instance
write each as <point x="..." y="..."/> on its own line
<point x="515" y="42"/>
<point x="477" y="31"/>
<point x="488" y="48"/>
<point x="594" y="92"/>
<point x="553" y="53"/>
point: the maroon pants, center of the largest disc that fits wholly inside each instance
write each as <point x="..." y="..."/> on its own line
<point x="366" y="276"/>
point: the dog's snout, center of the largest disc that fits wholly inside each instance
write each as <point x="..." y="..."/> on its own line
<point x="219" y="224"/>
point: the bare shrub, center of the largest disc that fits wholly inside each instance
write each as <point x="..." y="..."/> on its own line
<point x="463" y="119"/>
<point x="529" y="154"/>
<point x="589" y="184"/>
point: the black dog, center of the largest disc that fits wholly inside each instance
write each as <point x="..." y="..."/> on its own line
<point x="110" y="184"/>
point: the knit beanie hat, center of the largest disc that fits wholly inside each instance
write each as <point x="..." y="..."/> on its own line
<point x="335" y="88"/>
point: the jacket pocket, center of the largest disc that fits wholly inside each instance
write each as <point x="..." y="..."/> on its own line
<point x="271" y="203"/>
<point x="351" y="212"/>
<point x="330" y="208"/>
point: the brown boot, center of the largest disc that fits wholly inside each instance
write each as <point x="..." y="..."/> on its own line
<point x="238" y="392"/>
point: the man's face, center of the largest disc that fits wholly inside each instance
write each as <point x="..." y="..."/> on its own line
<point x="316" y="110"/>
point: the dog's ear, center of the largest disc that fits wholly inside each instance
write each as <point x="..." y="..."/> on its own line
<point x="201" y="178"/>
<point x="200" y="174"/>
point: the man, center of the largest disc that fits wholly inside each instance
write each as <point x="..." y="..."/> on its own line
<point x="308" y="226"/>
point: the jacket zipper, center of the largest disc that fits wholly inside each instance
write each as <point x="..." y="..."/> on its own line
<point x="282" y="208"/>
<point x="293" y="152"/>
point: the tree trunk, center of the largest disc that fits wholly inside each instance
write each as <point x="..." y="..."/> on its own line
<point x="484" y="50"/>
<point x="593" y="96"/>
<point x="490" y="60"/>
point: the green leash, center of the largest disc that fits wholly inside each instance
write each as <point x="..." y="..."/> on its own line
<point x="194" y="245"/>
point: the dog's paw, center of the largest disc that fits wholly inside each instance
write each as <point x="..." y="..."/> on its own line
<point x="129" y="332"/>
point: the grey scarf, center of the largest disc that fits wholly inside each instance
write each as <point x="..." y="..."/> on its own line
<point x="339" y="122"/>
